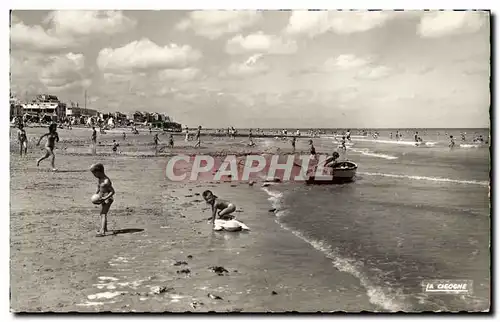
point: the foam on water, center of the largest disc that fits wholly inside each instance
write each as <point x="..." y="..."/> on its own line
<point x="376" y="295"/>
<point x="373" y="154"/>
<point x="436" y="179"/>
<point x="411" y="143"/>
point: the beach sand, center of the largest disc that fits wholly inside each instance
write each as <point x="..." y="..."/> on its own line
<point x="59" y="265"/>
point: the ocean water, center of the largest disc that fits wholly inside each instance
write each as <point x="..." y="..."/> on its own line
<point x="412" y="214"/>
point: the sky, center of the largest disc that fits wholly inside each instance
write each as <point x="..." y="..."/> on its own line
<point x="327" y="69"/>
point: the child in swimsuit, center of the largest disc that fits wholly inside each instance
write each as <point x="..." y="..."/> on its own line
<point x="106" y="191"/>
<point x="171" y="141"/>
<point x="115" y="146"/>
<point x="52" y="137"/>
<point x="23" y="139"/>
<point x="225" y="208"/>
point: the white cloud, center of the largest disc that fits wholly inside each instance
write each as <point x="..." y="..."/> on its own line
<point x="37" y="38"/>
<point x="178" y="74"/>
<point x="213" y="24"/>
<point x="260" y="43"/>
<point x="346" y="61"/>
<point x="64" y="72"/>
<point x="251" y="67"/>
<point x="374" y="72"/>
<point x="314" y="23"/>
<point x="145" y="54"/>
<point x="443" y="23"/>
<point x="87" y="22"/>
<point x="63" y="30"/>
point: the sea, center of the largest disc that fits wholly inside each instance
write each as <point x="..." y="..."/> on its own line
<point x="413" y="213"/>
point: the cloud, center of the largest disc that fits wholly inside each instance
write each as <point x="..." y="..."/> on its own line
<point x="87" y="22"/>
<point x="185" y="74"/>
<point x="260" y="43"/>
<point x="313" y="23"/>
<point x="251" y="67"/>
<point x="64" y="30"/>
<point x="65" y="72"/>
<point x="346" y="61"/>
<point x="443" y="23"/>
<point x="374" y="72"/>
<point x="144" y="54"/>
<point x="213" y="24"/>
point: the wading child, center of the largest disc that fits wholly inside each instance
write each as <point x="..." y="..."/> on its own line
<point x="52" y="138"/>
<point x="115" y="146"/>
<point x="198" y="137"/>
<point x="171" y="141"/>
<point x="23" y="139"/>
<point x="293" y="144"/>
<point x="452" y="142"/>
<point x="156" y="140"/>
<point x="225" y="208"/>
<point x="106" y="191"/>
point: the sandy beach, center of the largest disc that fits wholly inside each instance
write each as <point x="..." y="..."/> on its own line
<point x="162" y="244"/>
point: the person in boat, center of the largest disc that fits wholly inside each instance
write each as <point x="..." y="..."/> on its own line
<point x="332" y="161"/>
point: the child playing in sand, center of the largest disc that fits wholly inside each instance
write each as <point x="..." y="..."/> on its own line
<point x="106" y="191"/>
<point x="23" y="139"/>
<point x="52" y="137"/>
<point x="171" y="141"/>
<point x="225" y="208"/>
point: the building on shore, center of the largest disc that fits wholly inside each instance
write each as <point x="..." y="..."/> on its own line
<point x="77" y="111"/>
<point x="16" y="108"/>
<point x="45" y="107"/>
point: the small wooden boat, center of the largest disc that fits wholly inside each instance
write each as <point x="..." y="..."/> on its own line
<point x="343" y="171"/>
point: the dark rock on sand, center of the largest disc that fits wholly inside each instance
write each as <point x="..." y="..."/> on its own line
<point x="219" y="270"/>
<point x="274" y="293"/>
<point x="159" y="290"/>
<point x="190" y="256"/>
<point x="179" y="263"/>
<point x="214" y="297"/>
<point x="184" y="271"/>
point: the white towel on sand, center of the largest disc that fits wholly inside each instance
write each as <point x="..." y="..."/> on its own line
<point x="229" y="225"/>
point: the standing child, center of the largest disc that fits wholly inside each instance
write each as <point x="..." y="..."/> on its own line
<point x="293" y="144"/>
<point x="156" y="140"/>
<point x="94" y="140"/>
<point x="124" y="136"/>
<point x="23" y="139"/>
<point x="171" y="141"/>
<point x="52" y="138"/>
<point x="225" y="208"/>
<point x="452" y="142"/>
<point x="106" y="191"/>
<point x="115" y="146"/>
<point x="198" y="137"/>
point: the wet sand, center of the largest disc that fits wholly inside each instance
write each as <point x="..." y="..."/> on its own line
<point x="58" y="264"/>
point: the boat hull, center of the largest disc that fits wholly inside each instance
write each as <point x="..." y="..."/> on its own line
<point x="344" y="172"/>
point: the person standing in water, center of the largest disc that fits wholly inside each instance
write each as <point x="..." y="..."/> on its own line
<point x="171" y="141"/>
<point x="293" y="144"/>
<point x="93" y="139"/>
<point x="156" y="140"/>
<point x="23" y="139"/>
<point x="452" y="142"/>
<point x="124" y="136"/>
<point x="198" y="137"/>
<point x="52" y="138"/>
